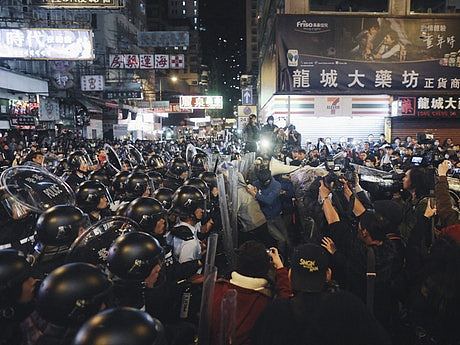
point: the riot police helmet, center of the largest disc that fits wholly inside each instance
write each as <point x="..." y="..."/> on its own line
<point x="89" y="195"/>
<point x="164" y="196"/>
<point x="186" y="200"/>
<point x="137" y="184"/>
<point x="133" y="256"/>
<point x="14" y="270"/>
<point x="146" y="212"/>
<point x="177" y="168"/>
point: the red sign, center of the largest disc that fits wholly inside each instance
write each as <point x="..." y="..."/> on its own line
<point x="447" y="106"/>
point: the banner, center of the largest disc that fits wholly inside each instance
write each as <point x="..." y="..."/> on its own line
<point x="93" y="4"/>
<point x="49" y="109"/>
<point x="46" y="44"/>
<point x="92" y="83"/>
<point x="447" y="106"/>
<point x="163" y="39"/>
<point x="336" y="55"/>
<point x="146" y="61"/>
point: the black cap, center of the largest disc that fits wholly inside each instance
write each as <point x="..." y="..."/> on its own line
<point x="309" y="264"/>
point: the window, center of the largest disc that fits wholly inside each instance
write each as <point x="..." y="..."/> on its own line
<point x="350" y="5"/>
<point x="434" y="6"/>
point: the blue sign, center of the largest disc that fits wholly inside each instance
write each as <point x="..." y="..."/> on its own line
<point x="246" y="96"/>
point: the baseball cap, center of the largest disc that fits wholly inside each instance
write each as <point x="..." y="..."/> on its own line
<point x="309" y="263"/>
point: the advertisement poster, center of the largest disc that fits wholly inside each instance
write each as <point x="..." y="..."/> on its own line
<point x="333" y="54"/>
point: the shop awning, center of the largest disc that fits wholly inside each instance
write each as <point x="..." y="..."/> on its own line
<point x="90" y="106"/>
<point x="22" y="83"/>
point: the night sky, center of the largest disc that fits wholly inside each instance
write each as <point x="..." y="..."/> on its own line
<point x="223" y="46"/>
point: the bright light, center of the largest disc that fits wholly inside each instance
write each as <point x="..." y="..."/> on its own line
<point x="265" y="144"/>
<point x="174" y="79"/>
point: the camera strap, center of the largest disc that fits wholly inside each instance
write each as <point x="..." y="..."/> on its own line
<point x="371" y="275"/>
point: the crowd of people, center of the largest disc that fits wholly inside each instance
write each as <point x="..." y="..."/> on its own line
<point x="126" y="259"/>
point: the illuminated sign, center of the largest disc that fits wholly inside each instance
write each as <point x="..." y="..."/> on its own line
<point x="46" y="44"/>
<point x="163" y="39"/>
<point x="78" y="3"/>
<point x="92" y="82"/>
<point x="201" y="102"/>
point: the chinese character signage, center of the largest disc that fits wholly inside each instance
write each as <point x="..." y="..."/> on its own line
<point x="163" y="39"/>
<point x="123" y="94"/>
<point x="146" y="61"/>
<point x="447" y="106"/>
<point x="49" y="109"/>
<point x="92" y="82"/>
<point x="338" y="54"/>
<point x="77" y="3"/>
<point x="46" y="44"/>
<point x="201" y="102"/>
<point x="177" y="61"/>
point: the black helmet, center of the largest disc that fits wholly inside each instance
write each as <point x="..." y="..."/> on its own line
<point x="140" y="168"/>
<point x="136" y="184"/>
<point x="100" y="176"/>
<point x="164" y="196"/>
<point x="121" y="326"/>
<point x="156" y="178"/>
<point x="186" y="200"/>
<point x="210" y="178"/>
<point x="199" y="162"/>
<point x="89" y="193"/>
<point x="146" y="212"/>
<point x="156" y="163"/>
<point x="178" y="167"/>
<point x="119" y="181"/>
<point x="60" y="225"/>
<point x="133" y="256"/>
<point x="75" y="160"/>
<point x="14" y="270"/>
<point x="200" y="184"/>
<point x="72" y="293"/>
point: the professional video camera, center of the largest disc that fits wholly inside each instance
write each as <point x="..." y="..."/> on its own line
<point x="338" y="169"/>
<point x="430" y="156"/>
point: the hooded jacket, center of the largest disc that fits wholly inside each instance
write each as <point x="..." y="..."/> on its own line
<point x="250" y="215"/>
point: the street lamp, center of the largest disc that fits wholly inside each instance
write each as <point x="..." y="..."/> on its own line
<point x="173" y="78"/>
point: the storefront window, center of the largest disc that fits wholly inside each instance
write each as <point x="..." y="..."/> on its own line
<point x="349" y="5"/>
<point x="435" y="6"/>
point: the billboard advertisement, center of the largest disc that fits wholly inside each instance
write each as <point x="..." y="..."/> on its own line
<point x="343" y="54"/>
<point x="422" y="106"/>
<point x="163" y="39"/>
<point x="93" y="4"/>
<point x="201" y="102"/>
<point x="46" y="44"/>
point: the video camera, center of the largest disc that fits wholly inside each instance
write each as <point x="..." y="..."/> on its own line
<point x="341" y="169"/>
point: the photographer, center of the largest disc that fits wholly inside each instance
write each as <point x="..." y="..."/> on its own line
<point x="447" y="215"/>
<point x="350" y="255"/>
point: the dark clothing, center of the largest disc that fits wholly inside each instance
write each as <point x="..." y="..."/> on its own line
<point x="73" y="180"/>
<point x="448" y="216"/>
<point x="17" y="234"/>
<point x="350" y="264"/>
<point x="172" y="183"/>
<point x="318" y="319"/>
<point x="251" y="136"/>
<point x="268" y="198"/>
<point x="296" y="163"/>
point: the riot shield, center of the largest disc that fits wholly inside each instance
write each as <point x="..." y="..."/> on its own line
<point x="93" y="245"/>
<point x="207" y="297"/>
<point x="228" y="318"/>
<point x="135" y="155"/>
<point x="211" y="251"/>
<point x="51" y="162"/>
<point x="189" y="153"/>
<point x="113" y="160"/>
<point x="33" y="189"/>
<point x="227" y="234"/>
<point x="232" y="192"/>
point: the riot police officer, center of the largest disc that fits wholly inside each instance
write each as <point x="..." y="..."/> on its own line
<point x="164" y="196"/>
<point x="137" y="185"/>
<point x="156" y="163"/>
<point x="118" y="185"/>
<point x="16" y="294"/>
<point x="56" y="230"/>
<point x="156" y="178"/>
<point x="189" y="204"/>
<point x="150" y="215"/>
<point x="94" y="199"/>
<point x="176" y="174"/>
<point x="78" y="167"/>
<point x="199" y="164"/>
<point x="135" y="261"/>
<point x="68" y="297"/>
<point x="121" y="326"/>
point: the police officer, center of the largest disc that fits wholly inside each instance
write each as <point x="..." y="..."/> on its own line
<point x="68" y="297"/>
<point x="189" y="204"/>
<point x="137" y="185"/>
<point x="100" y="176"/>
<point x="17" y="224"/>
<point x="93" y="198"/>
<point x="199" y="164"/>
<point x="78" y="167"/>
<point x="118" y="186"/>
<point x="165" y="196"/>
<point x="121" y="326"/>
<point x="206" y="223"/>
<point x="56" y="230"/>
<point x="156" y="163"/>
<point x="156" y="178"/>
<point x="135" y="261"/>
<point x="176" y="174"/>
<point x="16" y="294"/>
